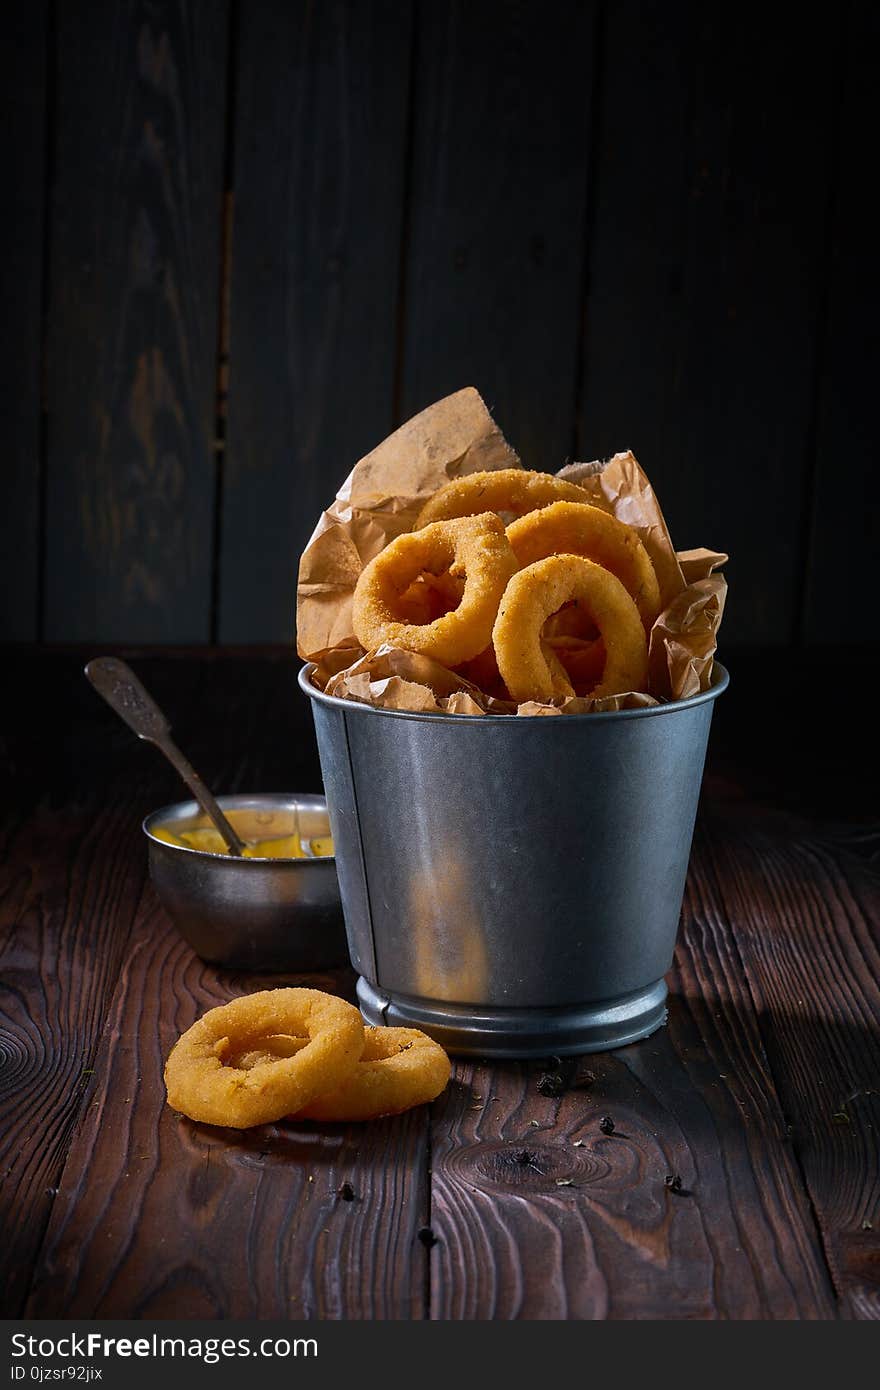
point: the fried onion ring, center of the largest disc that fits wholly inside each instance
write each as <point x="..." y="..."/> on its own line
<point x="400" y="1067"/>
<point x="559" y="674"/>
<point x="570" y="621"/>
<point x="483" y="672"/>
<point x="268" y="1050"/>
<point x="575" y="528"/>
<point x="539" y="590"/>
<point x="430" y="597"/>
<point x="204" y="1085"/>
<point x="474" y="548"/>
<point x="582" y="659"/>
<point x="513" y="490"/>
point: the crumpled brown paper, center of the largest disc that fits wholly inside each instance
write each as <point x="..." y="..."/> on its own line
<point x="382" y="498"/>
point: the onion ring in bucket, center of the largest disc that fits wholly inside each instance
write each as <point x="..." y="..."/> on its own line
<point x="574" y="528"/>
<point x="560" y="679"/>
<point x="513" y="490"/>
<point x="570" y="621"/>
<point x="203" y="1085"/>
<point x="483" y="672"/>
<point x="582" y="659"/>
<point x="430" y="597"/>
<point x="400" y="1067"/>
<point x="542" y="588"/>
<point x="473" y="548"/>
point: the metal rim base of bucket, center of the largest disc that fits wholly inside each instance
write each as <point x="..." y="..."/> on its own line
<point x="478" y="1031"/>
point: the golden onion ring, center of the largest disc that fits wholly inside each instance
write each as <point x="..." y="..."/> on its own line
<point x="542" y="588"/>
<point x="400" y="1067"/>
<point x="570" y="621"/>
<point x="203" y="1085"/>
<point x="483" y="672"/>
<point x="561" y="682"/>
<point x="575" y="528"/>
<point x="429" y="597"/>
<point x="474" y="549"/>
<point x="582" y="659"/>
<point x="515" y="491"/>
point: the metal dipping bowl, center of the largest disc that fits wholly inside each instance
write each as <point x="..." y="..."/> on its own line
<point x="251" y="914"/>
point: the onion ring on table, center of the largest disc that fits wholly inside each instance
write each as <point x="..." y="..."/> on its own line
<point x="268" y="1049"/>
<point x="473" y="548"/>
<point x="575" y="528"/>
<point x="202" y="1085"/>
<point x="539" y="590"/>
<point x="400" y="1068"/>
<point x="512" y="490"/>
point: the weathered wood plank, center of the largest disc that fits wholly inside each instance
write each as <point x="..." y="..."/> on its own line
<point x="72" y="867"/>
<point x="845" y="532"/>
<point x="135" y="274"/>
<point x="70" y="885"/>
<point x="634" y="322"/>
<point x="320" y="140"/>
<point x="538" y="1214"/>
<point x="773" y="1025"/>
<point x="159" y="1217"/>
<point x="23" y="97"/>
<point x="496" y="234"/>
<point x="145" y="1207"/>
<point x="804" y="910"/>
<point x="702" y="330"/>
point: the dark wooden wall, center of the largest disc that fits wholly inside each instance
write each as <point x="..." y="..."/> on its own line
<point x="244" y="238"/>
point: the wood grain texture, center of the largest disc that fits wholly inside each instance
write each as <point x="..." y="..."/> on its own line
<point x="152" y="1216"/>
<point x="496" y="231"/>
<point x="721" y="332"/>
<point x="634" y="322"/>
<point x="23" y="98"/>
<point x="69" y="890"/>
<point x="539" y="1214"/>
<point x="133" y="319"/>
<point x="845" y="522"/>
<point x="320" y="140"/>
<point x="804" y="910"/>
<point x="159" y="1217"/>
<point x="760" y="1095"/>
<point x="72" y="868"/>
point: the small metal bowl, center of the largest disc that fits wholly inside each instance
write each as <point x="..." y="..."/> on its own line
<point x="251" y="914"/>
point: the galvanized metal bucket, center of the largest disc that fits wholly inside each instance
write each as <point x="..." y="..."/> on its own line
<point x="513" y="886"/>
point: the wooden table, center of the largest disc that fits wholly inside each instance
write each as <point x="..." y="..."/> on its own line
<point x="761" y="1096"/>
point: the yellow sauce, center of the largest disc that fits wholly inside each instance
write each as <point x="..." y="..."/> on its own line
<point x="279" y="847"/>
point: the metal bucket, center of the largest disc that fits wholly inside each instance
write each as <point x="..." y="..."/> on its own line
<point x="512" y="886"/>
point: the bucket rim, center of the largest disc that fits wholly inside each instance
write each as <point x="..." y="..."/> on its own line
<point x="720" y="682"/>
